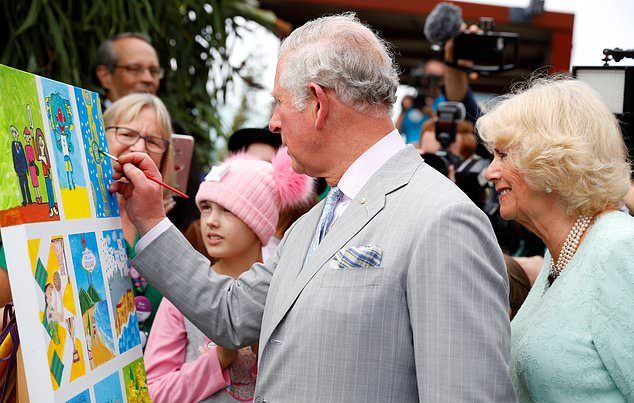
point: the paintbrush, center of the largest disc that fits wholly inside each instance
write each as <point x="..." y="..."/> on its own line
<point x="153" y="179"/>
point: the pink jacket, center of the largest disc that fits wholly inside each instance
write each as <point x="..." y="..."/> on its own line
<point x="169" y="377"/>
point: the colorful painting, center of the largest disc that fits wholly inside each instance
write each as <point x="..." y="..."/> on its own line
<point x="66" y="257"/>
<point x="116" y="267"/>
<point x="25" y="165"/>
<point x="135" y="382"/>
<point x="83" y="397"/>
<point x="94" y="138"/>
<point x="93" y="301"/>
<point x="59" y="313"/>
<point x="109" y="390"/>
<point x="67" y="149"/>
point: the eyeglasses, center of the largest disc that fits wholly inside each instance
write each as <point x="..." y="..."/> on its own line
<point x="137" y="70"/>
<point x="130" y="137"/>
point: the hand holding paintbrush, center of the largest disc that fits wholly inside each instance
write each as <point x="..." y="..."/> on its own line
<point x="153" y="179"/>
<point x="143" y="199"/>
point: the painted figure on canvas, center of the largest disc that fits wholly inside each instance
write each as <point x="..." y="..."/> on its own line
<point x="30" y="159"/>
<point x="41" y="150"/>
<point x="23" y="198"/>
<point x="65" y="356"/>
<point x="20" y="165"/>
<point x="66" y="149"/>
<point x="61" y="120"/>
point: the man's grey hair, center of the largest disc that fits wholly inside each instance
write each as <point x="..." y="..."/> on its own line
<point x="106" y="55"/>
<point x="340" y="53"/>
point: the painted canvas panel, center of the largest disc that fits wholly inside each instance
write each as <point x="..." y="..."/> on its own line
<point x="109" y="390"/>
<point x="58" y="312"/>
<point x="66" y="259"/>
<point x="116" y="267"/>
<point x="135" y="382"/>
<point x="67" y="149"/>
<point x="25" y="167"/>
<point x="92" y="298"/>
<point x="94" y="138"/>
<point x="83" y="397"/>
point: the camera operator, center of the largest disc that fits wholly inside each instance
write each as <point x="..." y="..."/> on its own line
<point x="463" y="165"/>
<point x="417" y="109"/>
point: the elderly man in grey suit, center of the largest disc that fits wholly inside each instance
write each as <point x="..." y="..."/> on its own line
<point x="393" y="289"/>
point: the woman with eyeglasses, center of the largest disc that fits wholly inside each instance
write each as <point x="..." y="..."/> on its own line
<point x="141" y="123"/>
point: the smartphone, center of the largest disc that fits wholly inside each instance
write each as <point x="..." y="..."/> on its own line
<point x="183" y="150"/>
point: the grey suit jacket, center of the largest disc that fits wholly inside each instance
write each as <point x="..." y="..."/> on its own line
<point x="430" y="323"/>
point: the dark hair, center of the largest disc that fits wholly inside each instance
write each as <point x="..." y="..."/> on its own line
<point x="106" y="55"/>
<point x="243" y="138"/>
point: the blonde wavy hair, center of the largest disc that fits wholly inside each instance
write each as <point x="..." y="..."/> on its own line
<point x="560" y="135"/>
<point x="127" y="108"/>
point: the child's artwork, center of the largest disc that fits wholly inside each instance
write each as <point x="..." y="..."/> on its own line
<point x="92" y="298"/>
<point x="58" y="314"/>
<point x="109" y="390"/>
<point x="65" y="250"/>
<point x="28" y="194"/>
<point x="99" y="167"/>
<point x="67" y="148"/>
<point x="135" y="382"/>
<point x="83" y="397"/>
<point x="116" y="268"/>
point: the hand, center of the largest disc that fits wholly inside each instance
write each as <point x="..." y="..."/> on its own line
<point x="143" y="198"/>
<point x="226" y="356"/>
<point x="457" y="80"/>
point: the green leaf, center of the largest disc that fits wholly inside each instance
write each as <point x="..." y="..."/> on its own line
<point x="31" y="17"/>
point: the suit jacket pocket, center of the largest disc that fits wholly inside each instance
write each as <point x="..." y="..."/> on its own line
<point x="367" y="277"/>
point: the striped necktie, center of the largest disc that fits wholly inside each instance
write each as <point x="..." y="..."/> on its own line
<point x="325" y="220"/>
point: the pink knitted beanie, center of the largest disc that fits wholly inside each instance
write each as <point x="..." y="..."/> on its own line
<point x="255" y="190"/>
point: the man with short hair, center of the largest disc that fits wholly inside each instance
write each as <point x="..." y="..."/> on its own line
<point x="393" y="289"/>
<point x="127" y="63"/>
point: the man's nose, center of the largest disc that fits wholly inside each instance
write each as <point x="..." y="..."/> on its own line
<point x="274" y="123"/>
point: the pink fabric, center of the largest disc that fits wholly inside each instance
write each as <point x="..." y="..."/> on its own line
<point x="169" y="378"/>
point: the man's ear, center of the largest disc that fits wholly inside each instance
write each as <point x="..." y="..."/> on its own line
<point x="104" y="76"/>
<point x="320" y="109"/>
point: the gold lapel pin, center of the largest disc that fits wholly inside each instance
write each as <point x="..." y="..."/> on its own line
<point x="362" y="200"/>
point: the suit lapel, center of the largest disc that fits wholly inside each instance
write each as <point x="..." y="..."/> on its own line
<point x="369" y="202"/>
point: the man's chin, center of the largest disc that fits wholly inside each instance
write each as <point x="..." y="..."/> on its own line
<point x="297" y="167"/>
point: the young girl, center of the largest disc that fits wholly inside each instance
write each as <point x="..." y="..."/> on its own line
<point x="239" y="202"/>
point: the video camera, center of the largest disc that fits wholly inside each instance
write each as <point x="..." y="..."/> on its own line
<point x="449" y="114"/>
<point x="489" y="51"/>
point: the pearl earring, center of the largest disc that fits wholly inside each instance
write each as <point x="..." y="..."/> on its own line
<point x="549" y="189"/>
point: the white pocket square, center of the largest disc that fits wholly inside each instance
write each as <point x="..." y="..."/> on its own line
<point x="362" y="257"/>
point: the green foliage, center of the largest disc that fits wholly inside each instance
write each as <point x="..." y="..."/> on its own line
<point x="93" y="294"/>
<point x="85" y="302"/>
<point x="59" y="39"/>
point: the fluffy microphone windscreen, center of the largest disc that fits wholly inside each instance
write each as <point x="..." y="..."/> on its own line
<point x="443" y="23"/>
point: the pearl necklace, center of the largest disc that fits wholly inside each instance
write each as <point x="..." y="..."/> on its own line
<point x="569" y="247"/>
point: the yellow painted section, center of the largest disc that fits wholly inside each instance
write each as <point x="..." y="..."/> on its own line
<point x="34" y="248"/>
<point x="76" y="204"/>
<point x="78" y="368"/>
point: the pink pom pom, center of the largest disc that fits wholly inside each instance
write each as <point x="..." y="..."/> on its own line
<point x="293" y="188"/>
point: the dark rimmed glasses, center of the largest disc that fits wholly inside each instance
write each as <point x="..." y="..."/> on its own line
<point x="130" y="137"/>
<point x="137" y="70"/>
